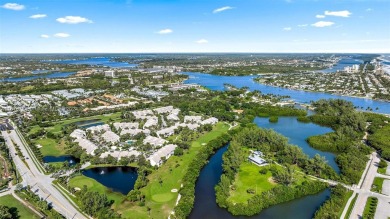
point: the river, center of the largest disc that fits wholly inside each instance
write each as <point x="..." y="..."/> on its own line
<point x="205" y="206"/>
<point x="33" y="77"/>
<point x="98" y="61"/>
<point x="216" y="82"/>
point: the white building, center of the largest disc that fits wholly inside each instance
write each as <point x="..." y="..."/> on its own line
<point x="110" y="137"/>
<point x="193" y="119"/>
<point x="87" y="145"/>
<point x="110" y="74"/>
<point x="210" y="121"/>
<point x="78" y="133"/>
<point x="154" y="141"/>
<point x="166" y="151"/>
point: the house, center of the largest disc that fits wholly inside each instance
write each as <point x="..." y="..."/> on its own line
<point x="77" y="134"/>
<point x="193" y="119"/>
<point x="134" y="132"/>
<point x="87" y="145"/>
<point x="167" y="131"/>
<point x="256" y="157"/>
<point x="152" y="121"/>
<point x="110" y="137"/>
<point x="154" y="141"/>
<point x="210" y="121"/>
<point x="125" y="125"/>
<point x="99" y="128"/>
<point x="166" y="151"/>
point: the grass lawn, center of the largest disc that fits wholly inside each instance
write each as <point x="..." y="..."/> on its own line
<point x="249" y="177"/>
<point x="377" y="185"/>
<point x="93" y="185"/>
<point x="351" y="206"/>
<point x="14" y="204"/>
<point x="160" y="198"/>
<point x="50" y="147"/>
<point x="34" y="129"/>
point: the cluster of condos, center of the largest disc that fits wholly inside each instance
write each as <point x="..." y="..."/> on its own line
<point x="155" y="124"/>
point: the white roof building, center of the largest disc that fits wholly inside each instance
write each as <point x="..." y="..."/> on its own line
<point x="78" y="133"/>
<point x="143" y="114"/>
<point x="166" y="151"/>
<point x="154" y="141"/>
<point x="162" y="110"/>
<point x="152" y="121"/>
<point x="210" y="121"/>
<point x="99" y="128"/>
<point x="119" y="154"/>
<point x="173" y="117"/>
<point x="87" y="145"/>
<point x="167" y="131"/>
<point x="126" y="125"/>
<point x="110" y="137"/>
<point x="134" y="132"/>
<point x="195" y="119"/>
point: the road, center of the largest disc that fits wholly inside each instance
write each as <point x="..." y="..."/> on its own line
<point x="40" y="183"/>
<point x="363" y="190"/>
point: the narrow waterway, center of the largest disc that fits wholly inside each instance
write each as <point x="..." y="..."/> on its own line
<point x="205" y="206"/>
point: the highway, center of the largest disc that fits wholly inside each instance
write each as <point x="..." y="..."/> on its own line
<point x="40" y="183"/>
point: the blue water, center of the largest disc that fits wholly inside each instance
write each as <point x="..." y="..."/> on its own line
<point x="118" y="179"/>
<point x="29" y="78"/>
<point x="103" y="61"/>
<point x="205" y="206"/>
<point x="91" y="125"/>
<point x="71" y="160"/>
<point x="342" y="64"/>
<point x="216" y="82"/>
<point x="297" y="133"/>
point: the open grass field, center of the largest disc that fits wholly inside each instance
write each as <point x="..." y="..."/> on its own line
<point x="377" y="185"/>
<point x="56" y="128"/>
<point x="249" y="177"/>
<point x="22" y="211"/>
<point x="159" y="197"/>
<point x="50" y="147"/>
<point x="93" y="185"/>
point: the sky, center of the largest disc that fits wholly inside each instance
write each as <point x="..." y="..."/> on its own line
<point x="174" y="26"/>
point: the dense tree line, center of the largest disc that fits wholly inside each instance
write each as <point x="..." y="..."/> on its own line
<point x="183" y="209"/>
<point x="96" y="204"/>
<point x="345" y="141"/>
<point x="8" y="213"/>
<point x="334" y="206"/>
<point x="274" y="147"/>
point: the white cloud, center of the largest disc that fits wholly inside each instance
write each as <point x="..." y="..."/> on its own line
<point x="36" y="16"/>
<point x="222" y="9"/>
<point x="45" y="36"/>
<point x="165" y="31"/>
<point x="202" y="41"/>
<point x="369" y="9"/>
<point x="73" y="20"/>
<point x="302" y="25"/>
<point x="344" y="13"/>
<point x="61" y="35"/>
<point x="287" y="28"/>
<point x="322" y="24"/>
<point x="320" y="16"/>
<point x="13" y="6"/>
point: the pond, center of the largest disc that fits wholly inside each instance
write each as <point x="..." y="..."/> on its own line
<point x="71" y="160"/>
<point x="118" y="179"/>
<point x="205" y="206"/>
<point x="88" y="123"/>
<point x="297" y="133"/>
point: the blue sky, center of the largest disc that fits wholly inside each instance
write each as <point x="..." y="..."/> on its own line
<point x="40" y="26"/>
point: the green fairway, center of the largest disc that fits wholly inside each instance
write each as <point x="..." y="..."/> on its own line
<point x="159" y="197"/>
<point x="50" y="147"/>
<point x="93" y="185"/>
<point x="56" y="128"/>
<point x="249" y="177"/>
<point x="22" y="211"/>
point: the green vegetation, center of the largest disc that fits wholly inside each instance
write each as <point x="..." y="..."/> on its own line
<point x="349" y="126"/>
<point x="287" y="182"/>
<point x="377" y="185"/>
<point x="251" y="177"/>
<point x="350" y="208"/>
<point x="380" y="140"/>
<point x="382" y="167"/>
<point x="50" y="147"/>
<point x="334" y="206"/>
<point x="370" y="208"/>
<point x="273" y="119"/>
<point x="15" y="209"/>
<point x="304" y="119"/>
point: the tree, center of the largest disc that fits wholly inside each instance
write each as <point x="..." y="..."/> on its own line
<point x="5" y="212"/>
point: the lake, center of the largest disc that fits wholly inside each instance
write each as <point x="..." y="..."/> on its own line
<point x="98" y="61"/>
<point x="216" y="82"/>
<point x="205" y="206"/>
<point x="118" y="179"/>
<point x="297" y="133"/>
<point x="34" y="77"/>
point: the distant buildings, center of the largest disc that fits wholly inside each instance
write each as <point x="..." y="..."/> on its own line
<point x="109" y="74"/>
